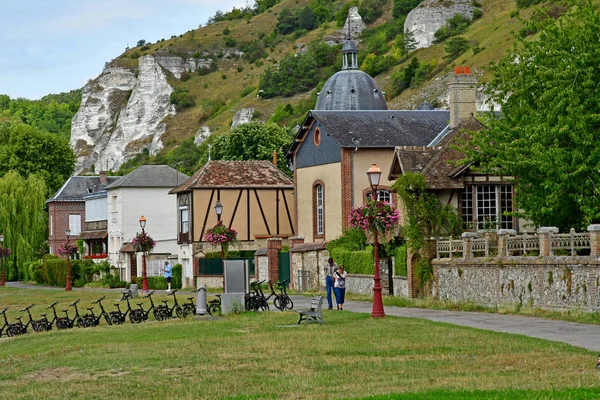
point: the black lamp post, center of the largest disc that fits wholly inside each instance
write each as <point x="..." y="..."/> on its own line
<point x="68" y="284"/>
<point x="219" y="211"/>
<point x="2" y="260"/>
<point x="144" y="275"/>
<point x="374" y="174"/>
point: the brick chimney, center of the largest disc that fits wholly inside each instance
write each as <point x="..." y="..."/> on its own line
<point x="462" y="88"/>
<point x="103" y="180"/>
<point x="275" y="157"/>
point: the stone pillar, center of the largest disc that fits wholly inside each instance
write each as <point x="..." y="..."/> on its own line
<point x="467" y="237"/>
<point x="594" y="231"/>
<point x="273" y="247"/>
<point x="544" y="234"/>
<point x="502" y="244"/>
<point x="296" y="240"/>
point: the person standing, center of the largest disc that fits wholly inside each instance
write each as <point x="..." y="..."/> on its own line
<point x="339" y="286"/>
<point x="329" y="268"/>
<point x="168" y="274"/>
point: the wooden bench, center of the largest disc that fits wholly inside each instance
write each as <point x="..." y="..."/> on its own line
<point x="314" y="313"/>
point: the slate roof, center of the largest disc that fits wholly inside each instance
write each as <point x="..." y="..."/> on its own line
<point x="437" y="164"/>
<point x="151" y="176"/>
<point x="351" y="89"/>
<point x="236" y="174"/>
<point x="77" y="187"/>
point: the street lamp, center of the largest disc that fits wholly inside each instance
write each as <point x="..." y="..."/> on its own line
<point x="219" y="211"/>
<point x="68" y="285"/>
<point x="374" y="174"/>
<point x="144" y="276"/>
<point x="2" y="260"/>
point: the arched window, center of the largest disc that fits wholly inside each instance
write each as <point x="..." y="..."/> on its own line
<point x="319" y="209"/>
<point x="317" y="136"/>
<point x="382" y="195"/>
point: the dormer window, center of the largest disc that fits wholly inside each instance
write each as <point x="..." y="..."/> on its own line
<point x="317" y="136"/>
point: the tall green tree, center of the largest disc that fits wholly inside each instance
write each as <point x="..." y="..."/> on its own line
<point x="23" y="221"/>
<point x="253" y="141"/>
<point x="548" y="134"/>
<point x="28" y="150"/>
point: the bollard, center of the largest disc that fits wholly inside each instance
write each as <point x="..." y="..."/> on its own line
<point x="201" y="301"/>
<point x="134" y="290"/>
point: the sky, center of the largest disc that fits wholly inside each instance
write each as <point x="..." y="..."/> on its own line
<point x="57" y="46"/>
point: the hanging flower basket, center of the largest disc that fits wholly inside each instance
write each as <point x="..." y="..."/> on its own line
<point x="4" y="252"/>
<point x="374" y="215"/>
<point x="68" y="249"/>
<point x="220" y="234"/>
<point x="143" y="242"/>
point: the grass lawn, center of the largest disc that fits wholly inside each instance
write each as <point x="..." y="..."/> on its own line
<point x="264" y="355"/>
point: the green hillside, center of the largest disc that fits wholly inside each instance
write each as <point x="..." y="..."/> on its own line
<point x="271" y="38"/>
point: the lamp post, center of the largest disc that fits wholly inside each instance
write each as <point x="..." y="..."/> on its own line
<point x="144" y="276"/>
<point x="219" y="211"/>
<point x="374" y="174"/>
<point x="2" y="260"/>
<point x="68" y="284"/>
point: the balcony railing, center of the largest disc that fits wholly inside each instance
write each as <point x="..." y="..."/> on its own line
<point x="96" y="225"/>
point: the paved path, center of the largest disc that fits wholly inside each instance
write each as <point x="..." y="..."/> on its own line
<point x="581" y="335"/>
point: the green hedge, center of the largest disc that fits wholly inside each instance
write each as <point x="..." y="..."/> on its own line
<point x="177" y="276"/>
<point x="401" y="261"/>
<point x="355" y="262"/>
<point x="54" y="271"/>
<point x="154" y="282"/>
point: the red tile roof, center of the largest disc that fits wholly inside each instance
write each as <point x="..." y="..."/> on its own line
<point x="237" y="174"/>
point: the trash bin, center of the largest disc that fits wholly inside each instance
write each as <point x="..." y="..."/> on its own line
<point x="201" y="301"/>
<point x="134" y="290"/>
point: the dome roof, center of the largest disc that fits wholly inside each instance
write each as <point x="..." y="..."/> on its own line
<point x="351" y="89"/>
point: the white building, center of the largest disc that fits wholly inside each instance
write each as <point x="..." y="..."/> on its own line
<point x="145" y="192"/>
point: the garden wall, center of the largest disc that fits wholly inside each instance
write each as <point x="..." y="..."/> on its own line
<point x="547" y="282"/>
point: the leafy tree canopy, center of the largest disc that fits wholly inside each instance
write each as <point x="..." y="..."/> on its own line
<point x="28" y="150"/>
<point x="548" y="134"/>
<point x="252" y="141"/>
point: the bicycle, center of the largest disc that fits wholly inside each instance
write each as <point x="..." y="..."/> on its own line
<point x="37" y="325"/>
<point x="214" y="306"/>
<point x="258" y="301"/>
<point x="176" y="307"/>
<point x="189" y="308"/>
<point x="158" y="312"/>
<point x="282" y="300"/>
<point x="77" y="320"/>
<point x="11" y="328"/>
<point x="61" y="322"/>
<point x="118" y="317"/>
<point x="94" y="320"/>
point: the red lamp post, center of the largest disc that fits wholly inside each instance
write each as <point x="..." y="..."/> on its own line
<point x="144" y="275"/>
<point x="2" y="260"/>
<point x="68" y="284"/>
<point x="374" y="174"/>
<point x="219" y="211"/>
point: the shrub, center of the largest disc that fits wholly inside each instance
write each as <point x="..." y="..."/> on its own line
<point x="455" y="47"/>
<point x="54" y="271"/>
<point x="247" y="90"/>
<point x="181" y="99"/>
<point x="356" y="262"/>
<point x="477" y="13"/>
<point x="454" y="26"/>
<point x="403" y="7"/>
<point x="176" y="282"/>
<point x="230" y="41"/>
<point x="154" y="282"/>
<point x="401" y="261"/>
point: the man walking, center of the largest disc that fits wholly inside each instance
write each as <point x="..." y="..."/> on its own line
<point x="167" y="273"/>
<point x="329" y="268"/>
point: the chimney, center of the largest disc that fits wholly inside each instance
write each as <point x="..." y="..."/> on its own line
<point x="103" y="180"/>
<point x="275" y="157"/>
<point x="462" y="88"/>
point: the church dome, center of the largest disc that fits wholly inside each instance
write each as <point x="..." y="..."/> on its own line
<point x="350" y="88"/>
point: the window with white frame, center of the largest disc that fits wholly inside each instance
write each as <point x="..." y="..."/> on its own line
<point x="485" y="206"/>
<point x="75" y="224"/>
<point x="382" y="195"/>
<point x="319" y="197"/>
<point x="185" y="220"/>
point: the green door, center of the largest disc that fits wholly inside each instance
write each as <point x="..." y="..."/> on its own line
<point x="284" y="266"/>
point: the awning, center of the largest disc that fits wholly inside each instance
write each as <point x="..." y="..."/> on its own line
<point x="86" y="235"/>
<point x="127" y="247"/>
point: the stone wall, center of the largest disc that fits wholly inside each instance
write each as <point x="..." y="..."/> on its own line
<point x="401" y="286"/>
<point x="212" y="282"/>
<point x="547" y="282"/>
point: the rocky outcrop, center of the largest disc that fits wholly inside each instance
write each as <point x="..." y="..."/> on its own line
<point x="201" y="135"/>
<point x="354" y="26"/>
<point x="424" y="20"/>
<point x="177" y="65"/>
<point x="122" y="112"/>
<point x="243" y="116"/>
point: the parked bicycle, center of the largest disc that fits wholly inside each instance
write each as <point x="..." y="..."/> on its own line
<point x="256" y="299"/>
<point x="177" y="309"/>
<point x="214" y="306"/>
<point x="60" y="322"/>
<point x="38" y="325"/>
<point x="159" y="312"/>
<point x="93" y="319"/>
<point x="189" y="308"/>
<point x="282" y="301"/>
<point x="77" y="319"/>
<point x="118" y="317"/>
<point x="9" y="329"/>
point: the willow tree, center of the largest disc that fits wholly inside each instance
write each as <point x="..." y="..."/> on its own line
<point x="22" y="220"/>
